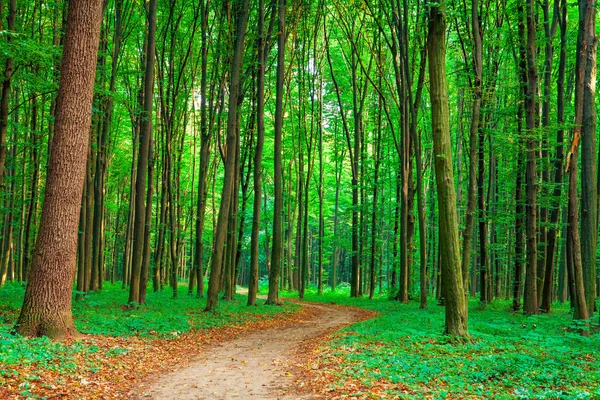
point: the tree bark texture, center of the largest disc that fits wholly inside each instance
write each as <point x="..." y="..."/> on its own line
<point x="454" y="298"/>
<point x="47" y="305"/>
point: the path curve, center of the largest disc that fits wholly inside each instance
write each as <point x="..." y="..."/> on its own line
<point x="258" y="365"/>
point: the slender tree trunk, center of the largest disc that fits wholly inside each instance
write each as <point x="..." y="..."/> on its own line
<point x="139" y="225"/>
<point x="561" y="8"/>
<point x="260" y="140"/>
<point x="574" y="240"/>
<point x="273" y="296"/>
<point x="232" y="140"/>
<point x="321" y="178"/>
<point x="483" y="228"/>
<point x="473" y="130"/>
<point x="205" y="138"/>
<point x="5" y="96"/>
<point x="530" y="305"/>
<point x="586" y="95"/>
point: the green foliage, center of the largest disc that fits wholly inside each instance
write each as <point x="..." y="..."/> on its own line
<point x="510" y="355"/>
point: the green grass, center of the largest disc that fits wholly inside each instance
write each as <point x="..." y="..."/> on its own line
<point x="105" y="313"/>
<point x="511" y="356"/>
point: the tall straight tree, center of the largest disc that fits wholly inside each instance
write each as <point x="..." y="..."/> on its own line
<point x="586" y="99"/>
<point x="474" y="128"/>
<point x="561" y="9"/>
<point x="260" y="141"/>
<point x="530" y="305"/>
<point x="585" y="77"/>
<point x="454" y="298"/>
<point x="139" y="224"/>
<point x="273" y="296"/>
<point x="216" y="265"/>
<point x="47" y="304"/>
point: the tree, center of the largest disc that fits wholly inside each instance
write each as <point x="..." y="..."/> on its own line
<point x="260" y="139"/>
<point x="474" y="128"/>
<point x="230" y="164"/>
<point x="138" y="277"/>
<point x="530" y="305"/>
<point x="560" y="9"/>
<point x="273" y="296"/>
<point x="585" y="101"/>
<point x="47" y="304"/>
<point x="454" y="298"/>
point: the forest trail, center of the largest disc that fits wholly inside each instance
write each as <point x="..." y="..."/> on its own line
<point x="259" y="365"/>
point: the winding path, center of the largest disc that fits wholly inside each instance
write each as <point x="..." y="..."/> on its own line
<point x="259" y="365"/>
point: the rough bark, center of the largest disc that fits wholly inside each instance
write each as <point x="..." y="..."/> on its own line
<point x="47" y="304"/>
<point x="454" y="297"/>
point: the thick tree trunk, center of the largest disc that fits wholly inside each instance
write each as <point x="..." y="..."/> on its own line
<point x="47" y="305"/>
<point x="454" y="298"/>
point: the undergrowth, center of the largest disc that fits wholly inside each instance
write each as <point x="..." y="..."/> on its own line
<point x="107" y="313"/>
<point x="510" y="356"/>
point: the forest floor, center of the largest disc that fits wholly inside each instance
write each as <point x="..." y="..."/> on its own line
<point x="272" y="363"/>
<point x="403" y="353"/>
<point x="121" y="346"/>
<point x="171" y="349"/>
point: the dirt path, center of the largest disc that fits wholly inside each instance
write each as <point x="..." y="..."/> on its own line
<point x="259" y="365"/>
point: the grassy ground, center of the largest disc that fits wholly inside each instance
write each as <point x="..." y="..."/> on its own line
<point x="511" y="356"/>
<point x="119" y="335"/>
<point x="400" y="353"/>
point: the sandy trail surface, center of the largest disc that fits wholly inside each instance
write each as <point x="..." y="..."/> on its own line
<point x="256" y="365"/>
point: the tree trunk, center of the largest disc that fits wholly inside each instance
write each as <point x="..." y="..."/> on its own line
<point x="47" y="304"/>
<point x="586" y="97"/>
<point x="561" y="8"/>
<point x="260" y="141"/>
<point x="139" y="225"/>
<point x="474" y="128"/>
<point x="530" y="305"/>
<point x="4" y="97"/>
<point x="454" y="298"/>
<point x="273" y="296"/>
<point x="232" y="140"/>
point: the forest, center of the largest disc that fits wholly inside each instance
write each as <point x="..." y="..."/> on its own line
<point x="409" y="174"/>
